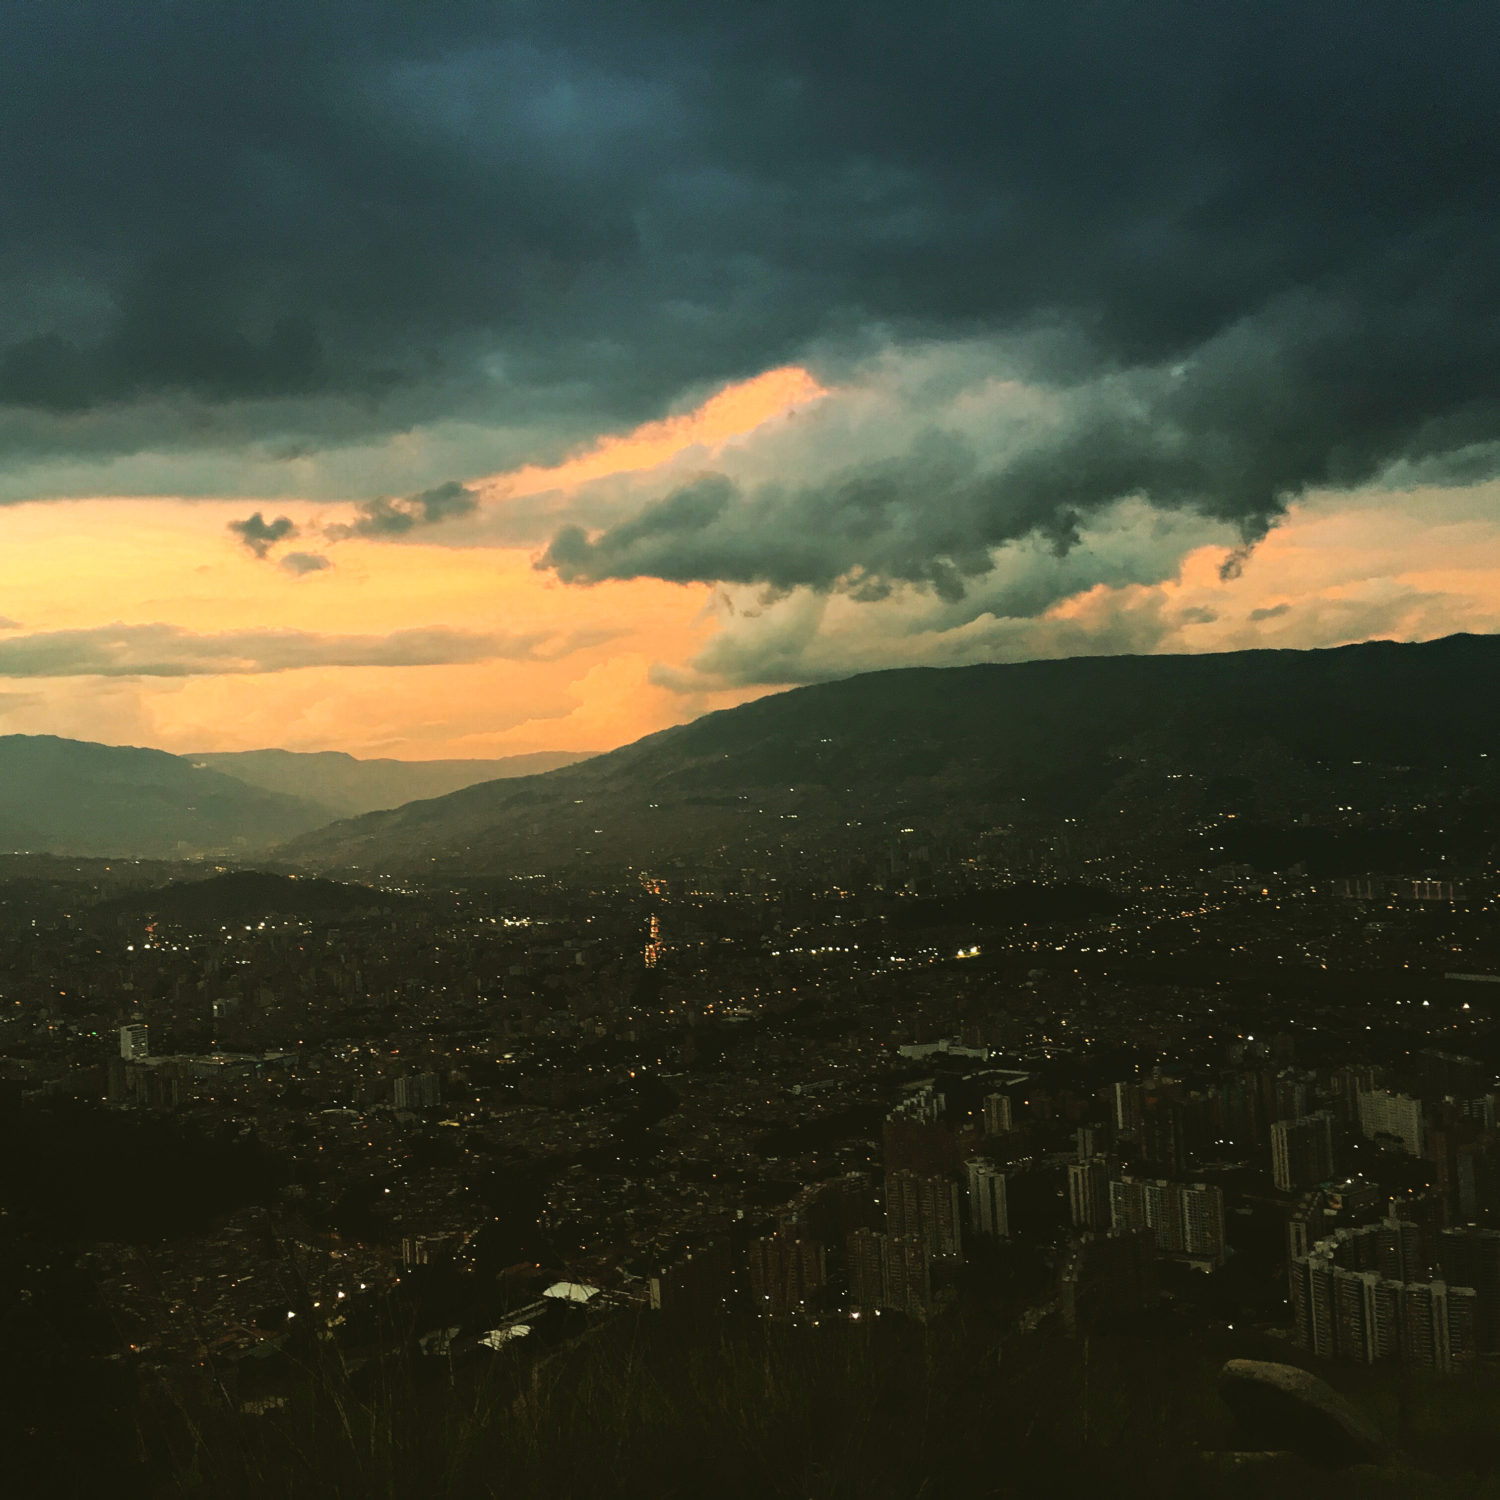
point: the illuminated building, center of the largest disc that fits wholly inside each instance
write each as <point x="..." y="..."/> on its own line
<point x="654" y="946"/>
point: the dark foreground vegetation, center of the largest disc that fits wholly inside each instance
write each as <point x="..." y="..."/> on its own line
<point x="844" y="1409"/>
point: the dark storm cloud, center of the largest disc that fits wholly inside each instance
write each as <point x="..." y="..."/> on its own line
<point x="371" y="216"/>
<point x="1307" y="393"/>
<point x="260" y="535"/>
<point x="384" y="517"/>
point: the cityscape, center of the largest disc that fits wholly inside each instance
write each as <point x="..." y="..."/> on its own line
<point x="749" y="751"/>
<point x="551" y="1106"/>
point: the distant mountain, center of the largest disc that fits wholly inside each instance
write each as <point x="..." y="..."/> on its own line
<point x="1150" y="744"/>
<point x="347" y="786"/>
<point x="62" y="796"/>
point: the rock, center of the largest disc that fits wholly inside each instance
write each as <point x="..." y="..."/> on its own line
<point x="1281" y="1406"/>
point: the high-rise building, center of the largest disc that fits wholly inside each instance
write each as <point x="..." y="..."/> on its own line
<point x="1396" y="1118"/>
<point x="908" y="1275"/>
<point x="915" y="1144"/>
<point x="989" y="1209"/>
<point x="1439" y="1325"/>
<point x="1348" y="1083"/>
<point x="418" y="1091"/>
<point x="1203" y="1222"/>
<point x="1088" y="1194"/>
<point x="1185" y="1219"/>
<point x="1300" y="1227"/>
<point x="1346" y="1308"/>
<point x="425" y="1249"/>
<point x="831" y="1211"/>
<point x="1302" y="1152"/>
<point x="925" y="1208"/>
<point x="1449" y="1075"/>
<point x="1127" y="1106"/>
<point x="998" y="1116"/>
<point x="1090" y="1141"/>
<point x="1163" y="1134"/>
<point x="1462" y="1145"/>
<point x="134" y="1042"/>
<point x="786" y="1274"/>
<point x="1312" y="1303"/>
<point x="866" y="1251"/>
<point x="1291" y="1095"/>
<point x="1470" y="1256"/>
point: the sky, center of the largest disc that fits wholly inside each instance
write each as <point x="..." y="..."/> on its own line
<point x="468" y="379"/>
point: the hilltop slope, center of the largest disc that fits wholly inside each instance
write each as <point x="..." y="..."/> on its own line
<point x="845" y="767"/>
<point x="347" y="786"/>
<point x="61" y="796"/>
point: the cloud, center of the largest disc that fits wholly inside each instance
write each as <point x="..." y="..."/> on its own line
<point x="260" y="535"/>
<point x="798" y="640"/>
<point x="384" y="517"/>
<point x="299" y="564"/>
<point x="160" y="650"/>
<point x="1103" y="594"/>
<point x="501" y="229"/>
<point x="1251" y="420"/>
<point x="1269" y="612"/>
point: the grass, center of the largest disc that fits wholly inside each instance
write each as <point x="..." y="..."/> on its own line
<point x="887" y="1411"/>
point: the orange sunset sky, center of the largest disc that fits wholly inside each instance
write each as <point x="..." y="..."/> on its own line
<point x="589" y="672"/>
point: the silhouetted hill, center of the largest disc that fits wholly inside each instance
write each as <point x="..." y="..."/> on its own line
<point x="61" y="796"/>
<point x="846" y="768"/>
<point x="347" y="786"/>
<point x="249" y="895"/>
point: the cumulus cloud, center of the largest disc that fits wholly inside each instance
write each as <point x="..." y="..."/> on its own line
<point x="299" y="564"/>
<point x="1103" y="594"/>
<point x="1250" y="420"/>
<point x="159" y="650"/>
<point x="260" y="535"/>
<point x="385" y="517"/>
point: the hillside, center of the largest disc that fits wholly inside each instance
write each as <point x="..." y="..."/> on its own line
<point x="843" y="769"/>
<point x="248" y="895"/>
<point x="346" y="786"/>
<point x="61" y="796"/>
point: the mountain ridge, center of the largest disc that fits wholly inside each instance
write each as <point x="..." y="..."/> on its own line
<point x="953" y="748"/>
<point x="349" y="785"/>
<point x="83" y="798"/>
<point x="80" y="797"/>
